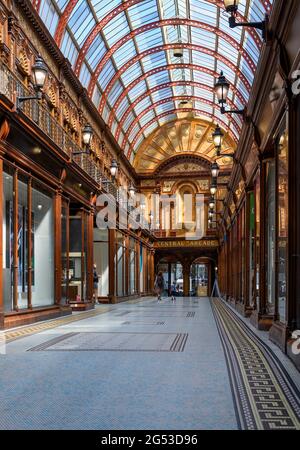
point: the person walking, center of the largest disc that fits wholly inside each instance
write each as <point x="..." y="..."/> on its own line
<point x="159" y="285"/>
<point x="95" y="282"/>
<point x="173" y="292"/>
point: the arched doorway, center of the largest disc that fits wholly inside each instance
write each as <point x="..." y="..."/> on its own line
<point x="173" y="274"/>
<point x="202" y="277"/>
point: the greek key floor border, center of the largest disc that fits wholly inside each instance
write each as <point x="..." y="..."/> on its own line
<point x="265" y="396"/>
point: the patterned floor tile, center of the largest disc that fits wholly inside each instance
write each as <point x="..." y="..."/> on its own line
<point x="265" y="396"/>
<point x="166" y="371"/>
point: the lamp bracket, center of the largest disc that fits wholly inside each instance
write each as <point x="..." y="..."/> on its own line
<point x="85" y="152"/>
<point x="109" y="181"/>
<point x="20" y="100"/>
<point x="263" y="25"/>
<point x="241" y="112"/>
<point x="228" y="155"/>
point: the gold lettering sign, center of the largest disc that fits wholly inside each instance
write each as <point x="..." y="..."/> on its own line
<point x="177" y="244"/>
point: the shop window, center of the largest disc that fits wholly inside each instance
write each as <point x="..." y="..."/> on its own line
<point x="65" y="252"/>
<point x="199" y="280"/>
<point x="34" y="247"/>
<point x="257" y="241"/>
<point x="22" y="244"/>
<point x="282" y="232"/>
<point x="7" y="240"/>
<point x="141" y="268"/>
<point x="132" y="267"/>
<point x="251" y="242"/>
<point x="101" y="260"/>
<point x="120" y="264"/>
<point x="270" y="236"/>
<point x="148" y="270"/>
<point x="78" y="256"/>
<point x="242" y="256"/>
<point x="42" y="248"/>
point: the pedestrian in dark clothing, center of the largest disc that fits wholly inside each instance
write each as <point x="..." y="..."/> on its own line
<point x="173" y="292"/>
<point x="95" y="283"/>
<point x="159" y="285"/>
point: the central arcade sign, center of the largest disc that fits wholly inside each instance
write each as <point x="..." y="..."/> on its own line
<point x="207" y="243"/>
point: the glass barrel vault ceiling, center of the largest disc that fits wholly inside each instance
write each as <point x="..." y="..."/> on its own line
<point x="122" y="52"/>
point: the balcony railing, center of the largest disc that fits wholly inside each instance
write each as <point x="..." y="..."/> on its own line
<point x="11" y="87"/>
<point x="89" y="166"/>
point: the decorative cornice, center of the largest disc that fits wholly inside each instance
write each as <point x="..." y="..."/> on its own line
<point x="181" y="159"/>
<point x="37" y="24"/>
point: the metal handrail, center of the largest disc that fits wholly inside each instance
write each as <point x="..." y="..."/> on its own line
<point x="12" y="87"/>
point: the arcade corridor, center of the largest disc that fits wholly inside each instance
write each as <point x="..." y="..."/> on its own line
<point x="149" y="149"/>
<point x="143" y="365"/>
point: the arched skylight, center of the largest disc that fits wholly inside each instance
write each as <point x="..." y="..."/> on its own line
<point x="123" y="54"/>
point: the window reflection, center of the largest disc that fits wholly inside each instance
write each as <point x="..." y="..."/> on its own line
<point x="132" y="270"/>
<point x="282" y="193"/>
<point x="101" y="260"/>
<point x="28" y="243"/>
<point x="270" y="235"/>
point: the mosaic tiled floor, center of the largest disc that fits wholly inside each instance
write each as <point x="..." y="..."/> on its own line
<point x="138" y="342"/>
<point x="265" y="396"/>
<point x="143" y="365"/>
<point x="120" y="369"/>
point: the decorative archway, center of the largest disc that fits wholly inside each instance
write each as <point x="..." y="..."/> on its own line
<point x="178" y="141"/>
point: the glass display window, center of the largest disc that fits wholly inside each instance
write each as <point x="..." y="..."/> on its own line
<point x="120" y="261"/>
<point x="251" y="243"/>
<point x="283" y="223"/>
<point x="257" y="192"/>
<point x="77" y="255"/>
<point x="42" y="247"/>
<point x="28" y="242"/>
<point x="65" y="273"/>
<point x="132" y="266"/>
<point x="7" y="231"/>
<point x="101" y="260"/>
<point x="270" y="231"/>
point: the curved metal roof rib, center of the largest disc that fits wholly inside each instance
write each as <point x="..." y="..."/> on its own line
<point x="165" y="23"/>
<point x="171" y="84"/>
<point x="161" y="102"/>
<point x="174" y="111"/>
<point x="122" y="52"/>
<point x="155" y="89"/>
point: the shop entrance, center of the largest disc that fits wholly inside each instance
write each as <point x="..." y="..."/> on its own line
<point x="201" y="274"/>
<point x="199" y="280"/>
<point x="78" y="258"/>
<point x="173" y="276"/>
